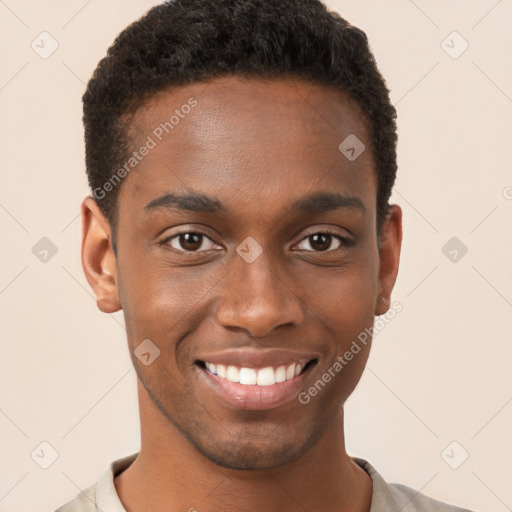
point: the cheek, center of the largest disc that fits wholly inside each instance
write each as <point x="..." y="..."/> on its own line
<point x="344" y="309"/>
<point x="343" y="299"/>
<point x="160" y="300"/>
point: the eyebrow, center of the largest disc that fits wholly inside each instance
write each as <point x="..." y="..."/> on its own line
<point x="320" y="202"/>
<point x="315" y="203"/>
<point x="191" y="201"/>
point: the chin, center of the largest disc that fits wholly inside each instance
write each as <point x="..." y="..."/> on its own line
<point x="250" y="456"/>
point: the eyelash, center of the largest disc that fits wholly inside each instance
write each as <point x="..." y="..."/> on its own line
<point x="343" y="240"/>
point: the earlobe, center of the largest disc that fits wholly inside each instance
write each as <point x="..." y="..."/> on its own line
<point x="98" y="258"/>
<point x="390" y="247"/>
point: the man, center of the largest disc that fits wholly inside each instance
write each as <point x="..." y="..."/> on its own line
<point x="241" y="155"/>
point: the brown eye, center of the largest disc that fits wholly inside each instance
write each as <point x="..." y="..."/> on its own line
<point x="190" y="242"/>
<point x="321" y="242"/>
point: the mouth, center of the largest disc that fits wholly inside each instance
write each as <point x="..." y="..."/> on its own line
<point x="247" y="384"/>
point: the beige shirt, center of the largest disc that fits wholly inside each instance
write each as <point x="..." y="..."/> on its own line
<point x="102" y="496"/>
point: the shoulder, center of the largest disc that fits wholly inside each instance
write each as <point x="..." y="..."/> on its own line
<point x="102" y="496"/>
<point x="410" y="500"/>
<point x="392" y="497"/>
<point x="83" y="502"/>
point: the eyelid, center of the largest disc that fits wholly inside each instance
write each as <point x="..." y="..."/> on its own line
<point x="327" y="230"/>
<point x="188" y="228"/>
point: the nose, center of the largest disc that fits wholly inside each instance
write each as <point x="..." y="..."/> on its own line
<point x="257" y="297"/>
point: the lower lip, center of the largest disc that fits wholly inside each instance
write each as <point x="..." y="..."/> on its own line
<point x="254" y="397"/>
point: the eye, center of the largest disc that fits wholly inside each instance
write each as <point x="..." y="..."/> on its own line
<point x="190" y="241"/>
<point x="323" y="242"/>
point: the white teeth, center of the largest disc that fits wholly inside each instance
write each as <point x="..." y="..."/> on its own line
<point x="251" y="376"/>
<point x="232" y="373"/>
<point x="247" y="376"/>
<point x="280" y="374"/>
<point x="266" y="377"/>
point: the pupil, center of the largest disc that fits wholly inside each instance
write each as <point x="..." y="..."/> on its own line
<point x="322" y="241"/>
<point x="190" y="240"/>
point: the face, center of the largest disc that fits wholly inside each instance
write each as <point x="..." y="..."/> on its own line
<point x="246" y="250"/>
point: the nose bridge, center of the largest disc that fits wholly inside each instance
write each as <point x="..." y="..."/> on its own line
<point x="256" y="297"/>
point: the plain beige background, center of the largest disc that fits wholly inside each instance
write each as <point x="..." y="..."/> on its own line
<point x="438" y="373"/>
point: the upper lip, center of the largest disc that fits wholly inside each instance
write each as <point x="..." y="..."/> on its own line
<point x="258" y="358"/>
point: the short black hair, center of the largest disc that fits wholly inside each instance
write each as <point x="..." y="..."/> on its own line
<point x="185" y="41"/>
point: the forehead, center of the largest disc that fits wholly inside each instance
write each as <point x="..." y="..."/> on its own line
<point x="249" y="139"/>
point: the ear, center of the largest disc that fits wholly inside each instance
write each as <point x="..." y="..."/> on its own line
<point x="389" y="252"/>
<point x="98" y="258"/>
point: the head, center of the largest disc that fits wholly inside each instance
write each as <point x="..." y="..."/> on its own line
<point x="241" y="155"/>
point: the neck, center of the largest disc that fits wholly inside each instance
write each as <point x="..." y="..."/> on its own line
<point x="170" y="474"/>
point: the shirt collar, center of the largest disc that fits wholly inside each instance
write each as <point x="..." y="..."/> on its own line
<point x="107" y="498"/>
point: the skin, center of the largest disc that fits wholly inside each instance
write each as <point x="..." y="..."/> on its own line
<point x="256" y="146"/>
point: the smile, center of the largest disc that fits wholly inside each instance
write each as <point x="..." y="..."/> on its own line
<point x="256" y="380"/>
